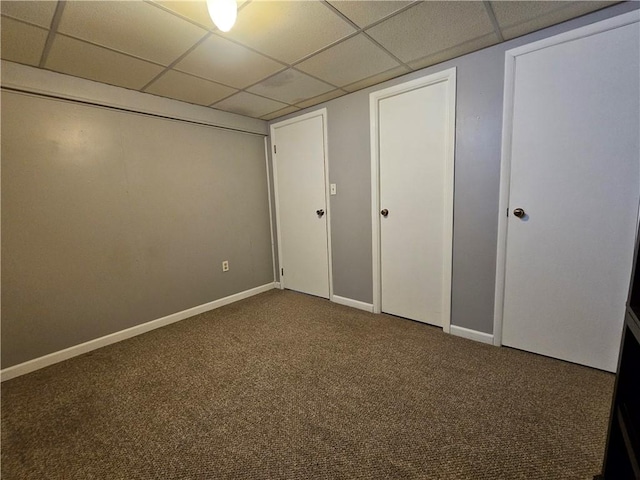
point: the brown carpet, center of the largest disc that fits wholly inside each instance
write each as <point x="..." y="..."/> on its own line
<point x="287" y="386"/>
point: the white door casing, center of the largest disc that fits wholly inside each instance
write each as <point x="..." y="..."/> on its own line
<point x="563" y="269"/>
<point x="300" y="171"/>
<point x="412" y="153"/>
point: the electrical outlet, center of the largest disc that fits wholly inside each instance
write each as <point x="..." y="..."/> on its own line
<point x="225" y="266"/>
<point x="333" y="189"/>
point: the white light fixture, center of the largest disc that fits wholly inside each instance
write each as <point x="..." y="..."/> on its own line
<point x="223" y="13"/>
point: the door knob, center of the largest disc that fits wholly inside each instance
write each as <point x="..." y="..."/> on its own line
<point x="320" y="213"/>
<point x="518" y="212"/>
<point x="384" y="212"/>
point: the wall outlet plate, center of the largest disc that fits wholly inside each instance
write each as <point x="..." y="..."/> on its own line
<point x="225" y="266"/>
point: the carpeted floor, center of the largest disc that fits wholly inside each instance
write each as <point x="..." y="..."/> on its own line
<point x="288" y="386"/>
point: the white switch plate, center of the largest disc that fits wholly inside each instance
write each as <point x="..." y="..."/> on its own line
<point x="225" y="266"/>
<point x="333" y="188"/>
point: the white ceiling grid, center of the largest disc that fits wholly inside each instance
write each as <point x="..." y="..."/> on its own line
<point x="280" y="56"/>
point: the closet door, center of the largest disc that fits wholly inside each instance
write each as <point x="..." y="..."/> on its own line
<point x="299" y="164"/>
<point x="573" y="201"/>
<point x="415" y="155"/>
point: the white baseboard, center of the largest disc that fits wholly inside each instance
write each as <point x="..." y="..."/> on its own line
<point x="277" y="285"/>
<point x="471" y="334"/>
<point x="367" y="307"/>
<point x="55" y="357"/>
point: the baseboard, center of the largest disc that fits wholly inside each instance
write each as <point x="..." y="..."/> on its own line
<point x="367" y="307"/>
<point x="277" y="285"/>
<point x="55" y="357"/>
<point x="471" y="334"/>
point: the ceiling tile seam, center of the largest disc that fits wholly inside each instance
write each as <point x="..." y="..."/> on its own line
<point x="380" y="20"/>
<point x="114" y="50"/>
<point x="316" y="78"/>
<point x="177" y="60"/>
<point x="327" y="47"/>
<point x="341" y="15"/>
<point x="239" y="90"/>
<point x="546" y="14"/>
<point x="53" y="29"/>
<point x="281" y="62"/>
<point x="362" y="30"/>
<point x="245" y="89"/>
<point x="374" y="75"/>
<point x="344" y="92"/>
<point x="494" y="21"/>
<point x="445" y="50"/>
<point x="276" y="111"/>
<point x="268" y="118"/>
<point x="379" y="45"/>
<point x="25" y="22"/>
<point x="257" y="95"/>
<point x="178" y="15"/>
<point x="285" y="108"/>
<point x="358" y="31"/>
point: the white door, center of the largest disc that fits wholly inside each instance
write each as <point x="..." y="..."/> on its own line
<point x="415" y="140"/>
<point x="301" y="207"/>
<point x="575" y="174"/>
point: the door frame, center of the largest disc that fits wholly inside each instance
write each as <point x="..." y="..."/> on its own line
<point x="448" y="75"/>
<point x="272" y="133"/>
<point x="507" y="130"/>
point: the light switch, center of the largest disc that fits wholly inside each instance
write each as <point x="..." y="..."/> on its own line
<point x="333" y="188"/>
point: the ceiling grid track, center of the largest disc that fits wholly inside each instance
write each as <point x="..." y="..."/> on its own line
<point x="362" y="30"/>
<point x="178" y="60"/>
<point x="280" y="57"/>
<point x="53" y="29"/>
<point x="494" y="21"/>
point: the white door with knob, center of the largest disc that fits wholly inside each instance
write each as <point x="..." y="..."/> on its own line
<point x="571" y="184"/>
<point x="412" y="163"/>
<point x="300" y="173"/>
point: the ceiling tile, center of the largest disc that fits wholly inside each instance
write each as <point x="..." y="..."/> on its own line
<point x="325" y="97"/>
<point x="364" y="13"/>
<point x="280" y="113"/>
<point x="288" y="31"/>
<point x="36" y="12"/>
<point x="349" y="61"/>
<point x="251" y="105"/>
<point x="22" y="43"/>
<point x="375" y="79"/>
<point x="291" y="87"/>
<point x="82" y="59"/>
<point x="430" y="27"/>
<point x="136" y="28"/>
<point x="457" y="51"/>
<point x="190" y="89"/>
<point x="226" y="62"/>
<point x="518" y="18"/>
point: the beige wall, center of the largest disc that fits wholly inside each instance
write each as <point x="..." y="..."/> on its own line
<point x="112" y="219"/>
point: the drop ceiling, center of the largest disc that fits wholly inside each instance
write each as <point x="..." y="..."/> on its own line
<point x="281" y="56"/>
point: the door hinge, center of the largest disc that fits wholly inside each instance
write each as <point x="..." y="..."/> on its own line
<point x="274" y="149"/>
<point x="507" y="212"/>
<point x="282" y="272"/>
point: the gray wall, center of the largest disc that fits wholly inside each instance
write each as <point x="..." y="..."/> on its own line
<point x="480" y="78"/>
<point x="113" y="219"/>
